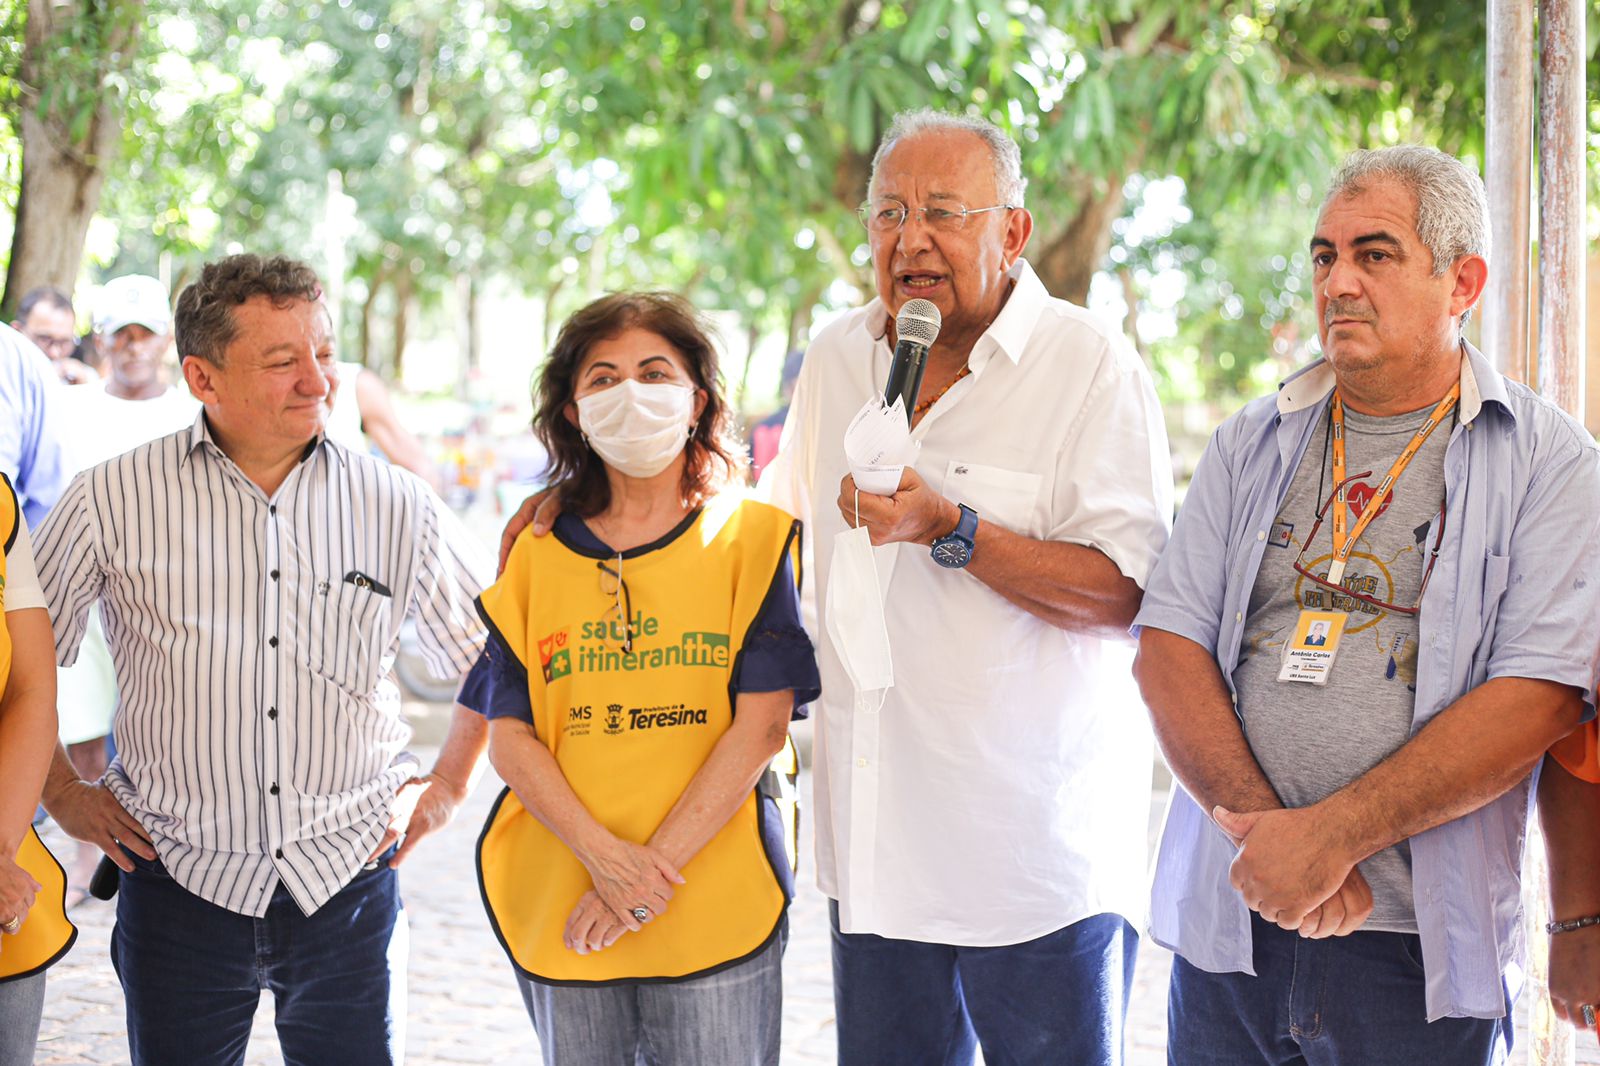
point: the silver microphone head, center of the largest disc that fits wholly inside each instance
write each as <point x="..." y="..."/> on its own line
<point x="918" y="321"/>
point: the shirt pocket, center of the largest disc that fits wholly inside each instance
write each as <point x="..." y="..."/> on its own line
<point x="349" y="634"/>
<point x="1496" y="579"/>
<point x="1009" y="498"/>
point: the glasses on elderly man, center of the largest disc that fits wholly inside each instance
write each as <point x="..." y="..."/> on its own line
<point x="886" y="214"/>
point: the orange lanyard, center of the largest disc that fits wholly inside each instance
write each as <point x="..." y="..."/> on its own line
<point x="1345" y="542"/>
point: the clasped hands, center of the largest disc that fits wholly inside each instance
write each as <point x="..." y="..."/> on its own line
<point x="1291" y="872"/>
<point x="18" y="890"/>
<point x="626" y="876"/>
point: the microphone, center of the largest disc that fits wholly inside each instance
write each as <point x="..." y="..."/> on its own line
<point x="917" y="326"/>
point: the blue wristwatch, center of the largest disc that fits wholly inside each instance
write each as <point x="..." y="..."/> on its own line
<point x="954" y="549"/>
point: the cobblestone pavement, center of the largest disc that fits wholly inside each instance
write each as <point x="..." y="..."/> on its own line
<point x="464" y="1006"/>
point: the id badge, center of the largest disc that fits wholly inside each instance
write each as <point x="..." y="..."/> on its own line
<point x="1308" y="657"/>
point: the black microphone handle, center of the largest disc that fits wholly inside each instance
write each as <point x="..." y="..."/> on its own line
<point x="905" y="375"/>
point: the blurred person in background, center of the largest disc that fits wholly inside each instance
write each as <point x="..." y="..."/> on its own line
<point x="765" y="434"/>
<point x="645" y="662"/>
<point x="46" y="318"/>
<point x="364" y="416"/>
<point x="133" y="331"/>
<point x="33" y="434"/>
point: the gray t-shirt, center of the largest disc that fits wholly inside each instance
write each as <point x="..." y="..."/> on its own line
<point x="1312" y="740"/>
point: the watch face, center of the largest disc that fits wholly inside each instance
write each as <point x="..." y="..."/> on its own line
<point x="950" y="553"/>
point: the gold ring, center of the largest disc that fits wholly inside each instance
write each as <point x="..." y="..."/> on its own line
<point x="12" y="927"/>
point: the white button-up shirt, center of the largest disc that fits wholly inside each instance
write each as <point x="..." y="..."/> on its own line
<point x="259" y="736"/>
<point x="1002" y="792"/>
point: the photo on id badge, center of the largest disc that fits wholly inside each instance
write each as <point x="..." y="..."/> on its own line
<point x="1309" y="654"/>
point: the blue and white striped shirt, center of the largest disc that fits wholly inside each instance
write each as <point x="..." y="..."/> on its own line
<point x="259" y="734"/>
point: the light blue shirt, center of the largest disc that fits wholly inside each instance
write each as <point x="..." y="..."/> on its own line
<point x="1515" y="593"/>
<point x="32" y="433"/>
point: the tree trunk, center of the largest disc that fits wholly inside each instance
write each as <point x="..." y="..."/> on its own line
<point x="65" y="151"/>
<point x="752" y="337"/>
<point x="548" y="331"/>
<point x="403" y="286"/>
<point x="472" y="333"/>
<point x="1067" y="261"/>
<point x="369" y="308"/>
<point x="1130" y="318"/>
<point x="800" y="319"/>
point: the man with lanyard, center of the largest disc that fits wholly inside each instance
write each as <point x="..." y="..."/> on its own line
<point x="1375" y="789"/>
<point x="253" y="577"/>
<point x="981" y="823"/>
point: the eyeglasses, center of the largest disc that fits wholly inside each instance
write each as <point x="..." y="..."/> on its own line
<point x="56" y="346"/>
<point x="1346" y="589"/>
<point x="886" y="214"/>
<point x="618" y="619"/>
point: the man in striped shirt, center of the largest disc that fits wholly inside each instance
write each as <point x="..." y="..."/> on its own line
<point x="253" y="577"/>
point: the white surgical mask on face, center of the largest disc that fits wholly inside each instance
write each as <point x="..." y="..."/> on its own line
<point x="638" y="429"/>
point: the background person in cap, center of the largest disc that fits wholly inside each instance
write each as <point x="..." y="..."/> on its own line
<point x="46" y="318"/>
<point x="133" y="327"/>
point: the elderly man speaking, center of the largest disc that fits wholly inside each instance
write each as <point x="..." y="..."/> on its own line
<point x="981" y="824"/>
<point x="1439" y="519"/>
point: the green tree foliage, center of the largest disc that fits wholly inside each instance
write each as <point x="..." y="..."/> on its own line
<point x="422" y="147"/>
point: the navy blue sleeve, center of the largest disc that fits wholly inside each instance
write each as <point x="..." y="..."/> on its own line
<point x="497" y="684"/>
<point x="777" y="653"/>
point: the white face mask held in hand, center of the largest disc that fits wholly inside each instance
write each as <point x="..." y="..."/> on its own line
<point x="855" y="619"/>
<point x="638" y="429"/>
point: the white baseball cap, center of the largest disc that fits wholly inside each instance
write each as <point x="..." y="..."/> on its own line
<point x="133" y="298"/>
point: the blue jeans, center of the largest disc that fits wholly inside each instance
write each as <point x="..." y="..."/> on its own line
<point x="730" y="1018"/>
<point x="1356" y="1000"/>
<point x="1059" y="999"/>
<point x="21" y="1003"/>
<point x="193" y="972"/>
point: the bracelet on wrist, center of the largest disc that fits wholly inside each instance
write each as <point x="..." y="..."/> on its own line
<point x="1571" y="924"/>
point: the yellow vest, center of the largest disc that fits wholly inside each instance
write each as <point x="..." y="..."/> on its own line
<point x="46" y="934"/>
<point x="629" y="730"/>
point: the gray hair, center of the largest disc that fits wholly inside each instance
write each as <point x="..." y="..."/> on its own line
<point x="1009" y="183"/>
<point x="1452" y="207"/>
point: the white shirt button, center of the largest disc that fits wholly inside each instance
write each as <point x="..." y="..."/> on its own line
<point x="1261" y="535"/>
<point x="861" y="762"/>
<point x="1238" y="616"/>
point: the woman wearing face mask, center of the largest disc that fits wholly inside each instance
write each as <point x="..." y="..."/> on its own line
<point x="644" y="665"/>
<point x="34" y="931"/>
